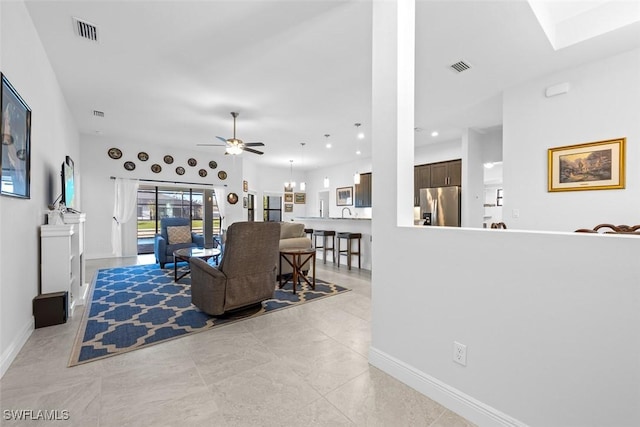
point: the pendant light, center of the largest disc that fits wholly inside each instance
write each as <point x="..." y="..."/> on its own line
<point x="303" y="185"/>
<point x="291" y="184"/>
<point x="328" y="145"/>
<point x="359" y="136"/>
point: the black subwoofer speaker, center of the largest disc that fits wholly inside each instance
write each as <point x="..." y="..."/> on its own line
<point x="50" y="309"/>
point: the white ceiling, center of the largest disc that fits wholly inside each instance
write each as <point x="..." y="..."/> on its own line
<point x="170" y="72"/>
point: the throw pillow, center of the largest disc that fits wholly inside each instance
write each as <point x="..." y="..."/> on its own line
<point x="289" y="230"/>
<point x="179" y="234"/>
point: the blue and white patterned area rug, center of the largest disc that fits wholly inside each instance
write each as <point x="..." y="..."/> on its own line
<point x="132" y="307"/>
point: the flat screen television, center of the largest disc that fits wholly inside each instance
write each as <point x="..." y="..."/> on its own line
<point x="68" y="184"/>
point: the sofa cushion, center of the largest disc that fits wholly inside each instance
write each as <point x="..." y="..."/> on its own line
<point x="179" y="234"/>
<point x="290" y="230"/>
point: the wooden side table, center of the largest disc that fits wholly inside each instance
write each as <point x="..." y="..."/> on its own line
<point x="297" y="258"/>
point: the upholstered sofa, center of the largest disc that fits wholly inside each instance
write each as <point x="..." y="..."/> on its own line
<point x="247" y="273"/>
<point x="292" y="236"/>
<point x="175" y="233"/>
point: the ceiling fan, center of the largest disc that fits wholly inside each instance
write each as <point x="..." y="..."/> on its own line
<point x="235" y="145"/>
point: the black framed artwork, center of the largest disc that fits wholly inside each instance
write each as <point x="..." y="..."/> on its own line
<point x="15" y="128"/>
<point x="344" y="196"/>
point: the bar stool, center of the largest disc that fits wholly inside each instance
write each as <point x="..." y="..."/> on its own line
<point x="349" y="252"/>
<point x="308" y="232"/>
<point x="325" y="234"/>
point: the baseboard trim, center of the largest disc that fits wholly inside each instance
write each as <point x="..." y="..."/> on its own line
<point x="457" y="401"/>
<point x="10" y="353"/>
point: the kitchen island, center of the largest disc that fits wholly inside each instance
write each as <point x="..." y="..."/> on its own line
<point x="343" y="225"/>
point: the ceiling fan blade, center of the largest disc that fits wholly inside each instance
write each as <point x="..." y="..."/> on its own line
<point x="254" y="144"/>
<point x="211" y="145"/>
<point x="251" y="150"/>
<point x="222" y="139"/>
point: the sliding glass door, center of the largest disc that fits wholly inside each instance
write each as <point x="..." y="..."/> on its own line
<point x="155" y="203"/>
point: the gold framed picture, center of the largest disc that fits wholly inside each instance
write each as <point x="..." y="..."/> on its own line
<point x="300" y="198"/>
<point x="288" y="207"/>
<point x="288" y="197"/>
<point x="592" y="166"/>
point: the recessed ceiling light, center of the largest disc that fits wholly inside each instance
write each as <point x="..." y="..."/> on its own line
<point x="488" y="165"/>
<point x="328" y="145"/>
<point x="434" y="133"/>
<point x="361" y="135"/>
<point x="358" y="152"/>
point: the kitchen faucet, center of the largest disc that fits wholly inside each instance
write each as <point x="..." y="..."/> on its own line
<point x="349" y="210"/>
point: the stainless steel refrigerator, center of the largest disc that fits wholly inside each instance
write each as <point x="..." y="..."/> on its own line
<point x="440" y="206"/>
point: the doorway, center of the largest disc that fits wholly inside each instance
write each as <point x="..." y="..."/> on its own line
<point x="323" y="204"/>
<point x="251" y="210"/>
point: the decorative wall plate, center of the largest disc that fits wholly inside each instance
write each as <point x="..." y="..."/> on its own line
<point x="180" y="170"/>
<point x="222" y="175"/>
<point x="202" y="173"/>
<point x="213" y="164"/>
<point x="156" y="168"/>
<point x="232" y="198"/>
<point x="192" y="162"/>
<point x="142" y="156"/>
<point x="129" y="166"/>
<point x="168" y="159"/>
<point x="114" y="153"/>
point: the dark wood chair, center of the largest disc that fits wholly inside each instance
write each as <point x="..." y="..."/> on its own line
<point x="611" y="229"/>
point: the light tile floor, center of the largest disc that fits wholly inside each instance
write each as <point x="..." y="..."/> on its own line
<point x="303" y="366"/>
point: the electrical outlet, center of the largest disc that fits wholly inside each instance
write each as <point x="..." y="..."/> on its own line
<point x="460" y="353"/>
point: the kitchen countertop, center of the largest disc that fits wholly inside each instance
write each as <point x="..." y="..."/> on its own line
<point x="332" y="218"/>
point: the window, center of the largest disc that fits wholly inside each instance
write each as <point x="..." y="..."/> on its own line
<point x="251" y="209"/>
<point x="272" y="208"/>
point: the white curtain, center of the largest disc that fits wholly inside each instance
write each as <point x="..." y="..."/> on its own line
<point x="220" y="198"/>
<point x="124" y="208"/>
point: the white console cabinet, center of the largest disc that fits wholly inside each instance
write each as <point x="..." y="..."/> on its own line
<point x="62" y="259"/>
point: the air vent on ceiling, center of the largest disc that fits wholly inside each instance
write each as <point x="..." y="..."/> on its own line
<point x="98" y="113"/>
<point x="460" y="66"/>
<point x="85" y="30"/>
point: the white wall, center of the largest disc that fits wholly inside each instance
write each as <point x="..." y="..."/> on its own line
<point x="98" y="188"/>
<point x="265" y="180"/>
<point x="438" y="152"/>
<point x="53" y="135"/>
<point x="472" y="179"/>
<point x="603" y="103"/>
<point x="543" y="325"/>
<point x="340" y="175"/>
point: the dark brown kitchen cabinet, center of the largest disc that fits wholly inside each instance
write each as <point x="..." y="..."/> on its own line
<point x="442" y="174"/>
<point x="445" y="174"/>
<point x="363" y="191"/>
<point x="421" y="179"/>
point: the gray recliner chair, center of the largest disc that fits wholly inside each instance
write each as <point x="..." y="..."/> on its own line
<point x="247" y="273"/>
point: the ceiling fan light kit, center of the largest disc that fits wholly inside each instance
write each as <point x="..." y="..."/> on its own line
<point x="235" y="146"/>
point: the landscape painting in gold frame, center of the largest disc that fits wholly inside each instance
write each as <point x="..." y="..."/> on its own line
<point x="591" y="166"/>
<point x="300" y="198"/>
